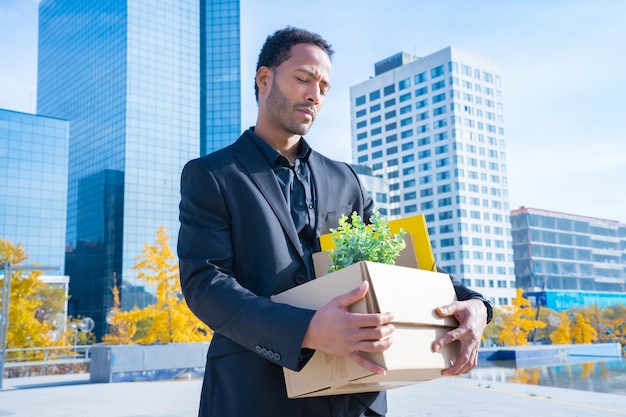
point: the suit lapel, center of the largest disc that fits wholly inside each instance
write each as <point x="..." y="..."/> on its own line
<point x="249" y="155"/>
<point x="323" y="189"/>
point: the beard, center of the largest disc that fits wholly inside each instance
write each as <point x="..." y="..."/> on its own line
<point x="281" y="110"/>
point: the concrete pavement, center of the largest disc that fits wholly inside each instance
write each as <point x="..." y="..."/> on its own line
<point x="74" y="396"/>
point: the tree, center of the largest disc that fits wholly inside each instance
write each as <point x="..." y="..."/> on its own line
<point x="562" y="334"/>
<point x="168" y="319"/>
<point x="34" y="304"/>
<point x="517" y="322"/>
<point x="582" y="331"/>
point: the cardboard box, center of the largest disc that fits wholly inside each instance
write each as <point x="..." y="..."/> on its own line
<point x="411" y="294"/>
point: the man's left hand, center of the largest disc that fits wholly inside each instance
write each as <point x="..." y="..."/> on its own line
<point x="472" y="318"/>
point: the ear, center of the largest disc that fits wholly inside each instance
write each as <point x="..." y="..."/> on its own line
<point x="264" y="79"/>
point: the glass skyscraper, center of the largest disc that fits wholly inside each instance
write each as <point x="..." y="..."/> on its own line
<point x="433" y="127"/>
<point x="566" y="252"/>
<point x="220" y="74"/>
<point x="33" y="185"/>
<point x="127" y="75"/>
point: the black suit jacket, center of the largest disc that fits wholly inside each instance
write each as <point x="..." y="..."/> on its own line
<point x="237" y="246"/>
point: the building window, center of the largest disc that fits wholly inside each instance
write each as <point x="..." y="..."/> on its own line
<point x="446" y="242"/>
<point x="390" y="102"/>
<point x="360" y="100"/>
<point x="426" y="166"/>
<point x="406" y="134"/>
<point x="439" y="98"/>
<point x="421" y="91"/>
<point x="420" y="78"/>
<point x="406" y="147"/>
<point x="439" y="110"/>
<point x="437" y="71"/>
<point x="438" y="85"/>
<point x="390" y="89"/>
<point x="404" y="84"/>
<point x="375" y="95"/>
<point x="426" y="179"/>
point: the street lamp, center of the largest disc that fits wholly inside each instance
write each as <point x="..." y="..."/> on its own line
<point x="8" y="269"/>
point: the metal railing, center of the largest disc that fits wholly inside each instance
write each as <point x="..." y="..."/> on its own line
<point x="51" y="355"/>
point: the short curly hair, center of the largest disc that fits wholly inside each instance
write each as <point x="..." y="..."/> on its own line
<point x="277" y="46"/>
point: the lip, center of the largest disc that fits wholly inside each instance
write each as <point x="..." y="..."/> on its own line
<point x="307" y="111"/>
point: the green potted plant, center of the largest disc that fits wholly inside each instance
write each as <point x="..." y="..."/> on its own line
<point x="355" y="241"/>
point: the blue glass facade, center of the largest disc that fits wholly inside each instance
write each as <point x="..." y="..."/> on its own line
<point x="33" y="185"/>
<point x="221" y="74"/>
<point x="126" y="74"/>
<point x="557" y="251"/>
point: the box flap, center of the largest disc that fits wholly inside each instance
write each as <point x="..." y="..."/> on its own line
<point x="423" y="292"/>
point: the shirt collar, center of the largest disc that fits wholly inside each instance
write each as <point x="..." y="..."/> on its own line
<point x="274" y="157"/>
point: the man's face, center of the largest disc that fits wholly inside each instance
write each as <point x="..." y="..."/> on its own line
<point x="298" y="88"/>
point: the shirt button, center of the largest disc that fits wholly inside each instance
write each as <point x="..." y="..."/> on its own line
<point x="311" y="206"/>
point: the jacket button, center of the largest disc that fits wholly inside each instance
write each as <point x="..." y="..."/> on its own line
<point x="258" y="349"/>
<point x="264" y="352"/>
<point x="300" y="279"/>
<point x="277" y="356"/>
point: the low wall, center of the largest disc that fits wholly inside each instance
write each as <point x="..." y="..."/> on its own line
<point x="125" y="363"/>
<point x="549" y="354"/>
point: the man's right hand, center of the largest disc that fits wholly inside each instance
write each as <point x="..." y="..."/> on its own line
<point x="335" y="330"/>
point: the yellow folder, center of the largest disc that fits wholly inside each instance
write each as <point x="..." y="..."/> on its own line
<point x="413" y="225"/>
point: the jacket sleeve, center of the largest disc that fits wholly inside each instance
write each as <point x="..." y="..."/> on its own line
<point x="206" y="256"/>
<point x="465" y="293"/>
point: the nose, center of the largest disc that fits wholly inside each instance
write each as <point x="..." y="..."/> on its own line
<point x="314" y="94"/>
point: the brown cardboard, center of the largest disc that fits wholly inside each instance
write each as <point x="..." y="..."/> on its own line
<point x="412" y="295"/>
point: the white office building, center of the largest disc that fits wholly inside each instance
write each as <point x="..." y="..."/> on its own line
<point x="433" y="127"/>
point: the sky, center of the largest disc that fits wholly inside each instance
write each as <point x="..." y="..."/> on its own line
<point x="562" y="64"/>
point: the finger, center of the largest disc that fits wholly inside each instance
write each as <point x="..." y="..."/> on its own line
<point x="374" y="345"/>
<point x="464" y="364"/>
<point x="375" y="333"/>
<point x="449" y="337"/>
<point x="447" y="310"/>
<point x="372" y="320"/>
<point x="370" y="366"/>
<point x="346" y="300"/>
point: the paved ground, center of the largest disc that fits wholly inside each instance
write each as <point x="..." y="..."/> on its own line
<point x="74" y="396"/>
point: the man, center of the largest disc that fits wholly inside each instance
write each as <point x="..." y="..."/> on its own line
<point x="251" y="215"/>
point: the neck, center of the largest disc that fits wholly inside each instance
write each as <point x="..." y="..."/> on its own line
<point x="285" y="143"/>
